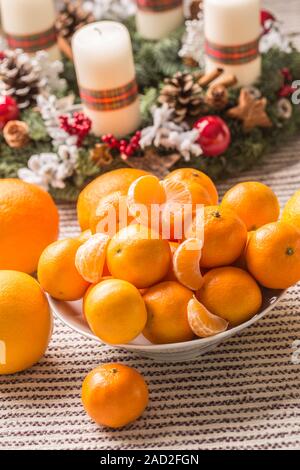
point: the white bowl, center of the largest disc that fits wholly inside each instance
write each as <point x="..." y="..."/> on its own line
<point x="70" y="313"/>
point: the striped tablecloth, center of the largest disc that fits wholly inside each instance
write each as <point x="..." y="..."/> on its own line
<point x="244" y="395"/>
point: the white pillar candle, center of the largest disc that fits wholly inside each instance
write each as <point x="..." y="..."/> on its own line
<point x="156" y="19"/>
<point x="232" y="31"/>
<point x="106" y="77"/>
<point x="29" y="25"/>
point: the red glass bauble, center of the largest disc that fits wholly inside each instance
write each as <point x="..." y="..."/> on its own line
<point x="9" y="110"/>
<point x="214" y="135"/>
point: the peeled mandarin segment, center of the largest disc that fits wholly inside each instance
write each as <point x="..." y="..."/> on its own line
<point x="145" y="191"/>
<point x="90" y="258"/>
<point x="186" y="262"/>
<point x="84" y="236"/>
<point x="203" y="323"/>
<point x="176" y="192"/>
<point x="177" y="208"/>
<point x="111" y="214"/>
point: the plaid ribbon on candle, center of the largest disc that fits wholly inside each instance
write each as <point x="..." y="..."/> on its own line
<point x="34" y="42"/>
<point x="110" y="100"/>
<point x="158" y="5"/>
<point x="232" y="55"/>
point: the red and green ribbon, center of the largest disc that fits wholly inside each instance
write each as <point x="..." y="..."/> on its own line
<point x="232" y="55"/>
<point x="110" y="100"/>
<point x="32" y="43"/>
<point x="158" y="5"/>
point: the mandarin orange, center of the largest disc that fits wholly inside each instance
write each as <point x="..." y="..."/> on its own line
<point x="114" y="395"/>
<point x="273" y="255"/>
<point x="230" y="293"/>
<point x="254" y="202"/>
<point x="57" y="272"/>
<point x="225" y="236"/>
<point x="137" y="255"/>
<point x="291" y="211"/>
<point x="115" y="311"/>
<point x="166" y="305"/>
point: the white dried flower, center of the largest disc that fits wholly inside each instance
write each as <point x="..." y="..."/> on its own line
<point x="118" y="10"/>
<point x="49" y="72"/>
<point x="169" y="135"/>
<point x="51" y="108"/>
<point x="51" y="169"/>
<point x="193" y="41"/>
<point x="274" y="38"/>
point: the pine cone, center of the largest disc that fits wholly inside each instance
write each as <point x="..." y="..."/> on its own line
<point x="71" y="18"/>
<point x="182" y="94"/>
<point x="19" y="78"/>
<point x="217" y="97"/>
<point x="16" y="134"/>
<point x="195" y="8"/>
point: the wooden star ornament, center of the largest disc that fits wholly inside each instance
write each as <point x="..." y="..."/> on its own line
<point x="251" y="111"/>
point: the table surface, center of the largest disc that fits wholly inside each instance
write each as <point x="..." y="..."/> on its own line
<point x="244" y="395"/>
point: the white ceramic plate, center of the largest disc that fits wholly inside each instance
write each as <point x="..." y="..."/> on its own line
<point x="70" y="313"/>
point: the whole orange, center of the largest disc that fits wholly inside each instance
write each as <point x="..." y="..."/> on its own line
<point x="230" y="293"/>
<point x="115" y="311"/>
<point x="137" y="255"/>
<point x="114" y="395"/>
<point x="254" y="202"/>
<point x="25" y="322"/>
<point x="199" y="194"/>
<point x="28" y="223"/>
<point x="291" y="211"/>
<point x="195" y="178"/>
<point x="116" y="180"/>
<point x="57" y="272"/>
<point x="225" y="236"/>
<point x="166" y="305"/>
<point x="273" y="255"/>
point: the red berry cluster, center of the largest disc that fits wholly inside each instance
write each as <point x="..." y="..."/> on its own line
<point x="287" y="89"/>
<point x="79" y="125"/>
<point x="126" y="148"/>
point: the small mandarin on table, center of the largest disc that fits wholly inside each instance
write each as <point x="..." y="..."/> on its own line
<point x="114" y="395"/>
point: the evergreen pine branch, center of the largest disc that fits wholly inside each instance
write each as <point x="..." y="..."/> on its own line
<point x="154" y="62"/>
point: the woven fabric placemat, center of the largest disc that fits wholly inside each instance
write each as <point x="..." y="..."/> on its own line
<point x="243" y="395"/>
